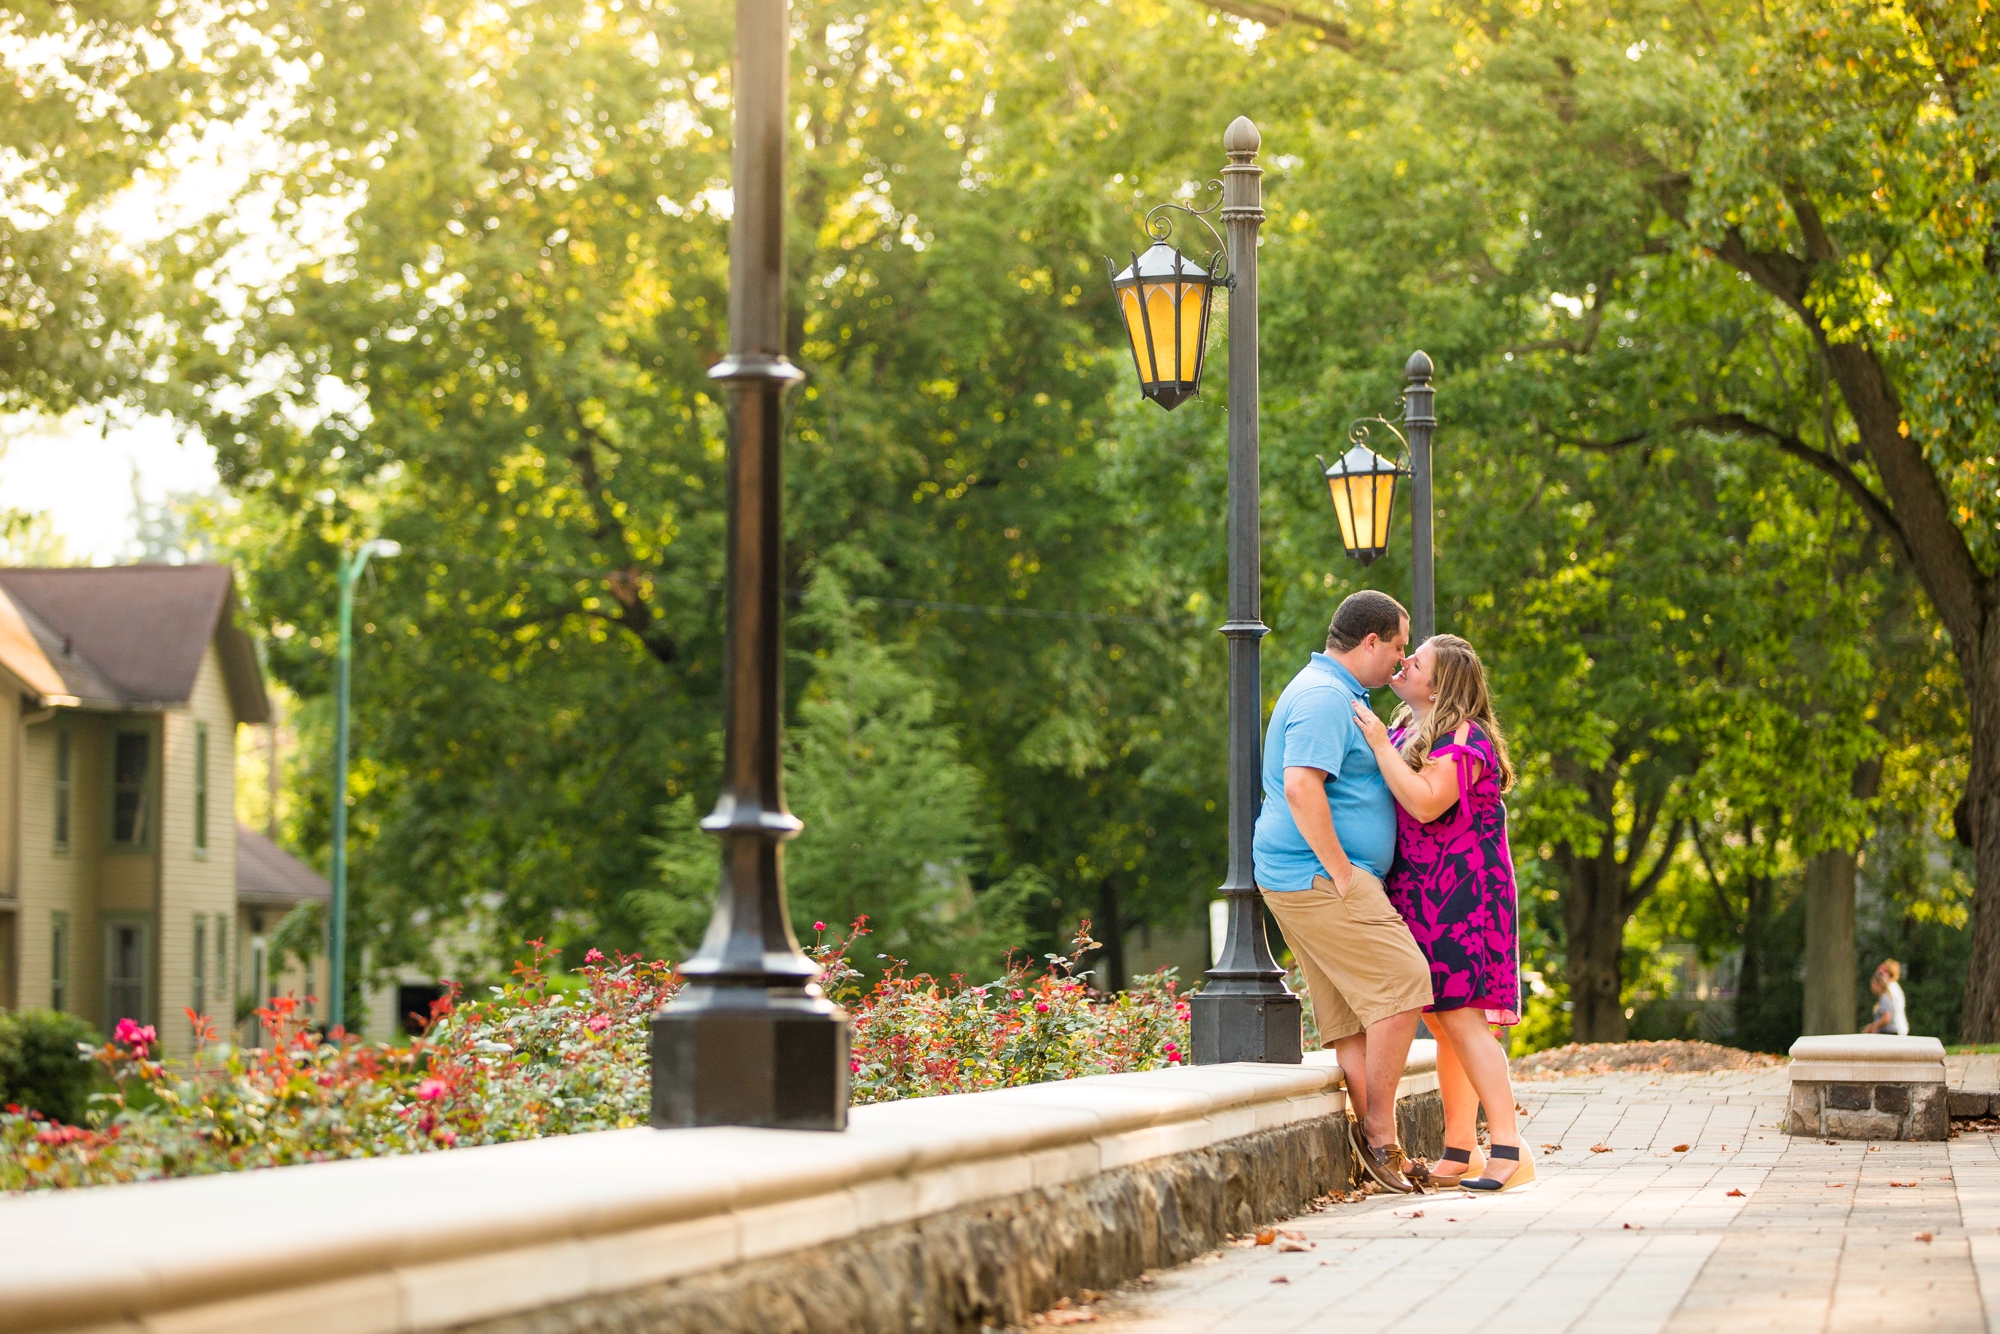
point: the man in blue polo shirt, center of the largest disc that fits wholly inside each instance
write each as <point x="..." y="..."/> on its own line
<point x="1325" y="837"/>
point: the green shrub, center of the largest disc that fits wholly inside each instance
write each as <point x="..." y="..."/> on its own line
<point x="42" y="1062"/>
<point x="538" y="1057"/>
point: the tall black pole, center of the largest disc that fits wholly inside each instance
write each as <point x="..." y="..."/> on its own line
<point x="1244" y="1012"/>
<point x="1420" y="420"/>
<point x="751" y="1041"/>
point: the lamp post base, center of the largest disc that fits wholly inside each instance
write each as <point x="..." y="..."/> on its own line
<point x="1245" y="1027"/>
<point x="750" y="1056"/>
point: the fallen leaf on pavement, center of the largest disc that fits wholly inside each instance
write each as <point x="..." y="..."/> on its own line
<point x="1064" y="1313"/>
<point x="1835" y="1185"/>
<point x="1921" y="1236"/>
<point x="1552" y="1148"/>
<point x="1736" y="1192"/>
<point x="1635" y="1227"/>
<point x="1266" y="1235"/>
<point x="1902" y="1183"/>
<point x="1295" y="1236"/>
<point x="1287" y="1244"/>
<point x="1682" y="1148"/>
<point x="1281" y="1279"/>
<point x="1600" y="1148"/>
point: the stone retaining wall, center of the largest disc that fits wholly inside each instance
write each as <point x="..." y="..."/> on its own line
<point x="934" y="1214"/>
<point x="998" y="1263"/>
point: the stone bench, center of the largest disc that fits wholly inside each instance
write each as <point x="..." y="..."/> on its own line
<point x="1869" y="1086"/>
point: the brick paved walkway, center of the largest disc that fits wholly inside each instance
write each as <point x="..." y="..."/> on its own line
<point x="1640" y="1238"/>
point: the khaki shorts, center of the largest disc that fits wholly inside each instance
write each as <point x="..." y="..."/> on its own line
<point x="1360" y="961"/>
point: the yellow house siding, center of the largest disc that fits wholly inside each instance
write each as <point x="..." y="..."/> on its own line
<point x="196" y="883"/>
<point x="57" y="880"/>
<point x="253" y="930"/>
<point x="10" y="866"/>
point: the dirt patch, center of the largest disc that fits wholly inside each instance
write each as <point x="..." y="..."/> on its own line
<point x="1601" y="1058"/>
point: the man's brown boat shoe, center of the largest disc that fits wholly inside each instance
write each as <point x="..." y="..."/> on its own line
<point x="1388" y="1167"/>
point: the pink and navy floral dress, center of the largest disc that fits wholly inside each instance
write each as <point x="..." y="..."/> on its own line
<point x="1453" y="882"/>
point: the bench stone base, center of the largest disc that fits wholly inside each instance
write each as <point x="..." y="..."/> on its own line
<point x="1827" y="1110"/>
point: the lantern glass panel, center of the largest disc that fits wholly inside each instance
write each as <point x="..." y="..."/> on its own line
<point x="1164" y="300"/>
<point x="1343" y="510"/>
<point x="1385" y="499"/>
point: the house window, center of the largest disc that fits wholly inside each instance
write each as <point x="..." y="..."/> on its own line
<point x="258" y="955"/>
<point x="224" y="988"/>
<point x="62" y="789"/>
<point x="200" y="788"/>
<point x="131" y="772"/>
<point x="124" y="972"/>
<point x="198" y="993"/>
<point x="59" y="961"/>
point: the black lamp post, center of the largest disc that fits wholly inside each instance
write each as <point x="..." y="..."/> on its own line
<point x="1244" y="1012"/>
<point x="1362" y="486"/>
<point x="751" y="1041"/>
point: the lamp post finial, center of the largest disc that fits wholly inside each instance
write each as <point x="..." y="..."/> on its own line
<point x="1241" y="138"/>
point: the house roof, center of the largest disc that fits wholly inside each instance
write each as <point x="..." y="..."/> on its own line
<point x="126" y="636"/>
<point x="269" y="877"/>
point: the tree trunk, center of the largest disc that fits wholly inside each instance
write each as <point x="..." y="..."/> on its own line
<point x="1109" y="931"/>
<point x="1920" y="522"/>
<point x="1830" y="941"/>
<point x="1979" y="1020"/>
<point x="1594" y="919"/>
<point x="1829" y="894"/>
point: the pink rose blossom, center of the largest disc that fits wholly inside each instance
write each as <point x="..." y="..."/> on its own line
<point x="819" y="926"/>
<point x="593" y="955"/>
<point x="430" y="1090"/>
<point x="598" y="1023"/>
<point x="132" y="1033"/>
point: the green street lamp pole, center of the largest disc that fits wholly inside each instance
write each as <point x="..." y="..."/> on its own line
<point x="336" y="945"/>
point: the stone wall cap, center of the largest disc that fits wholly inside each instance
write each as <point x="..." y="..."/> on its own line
<point x="1866" y="1047"/>
<point x="129" y="1253"/>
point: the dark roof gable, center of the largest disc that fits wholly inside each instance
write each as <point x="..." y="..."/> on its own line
<point x="140" y="631"/>
<point x="269" y="877"/>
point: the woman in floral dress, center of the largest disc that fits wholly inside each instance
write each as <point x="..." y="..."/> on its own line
<point x="1445" y="761"/>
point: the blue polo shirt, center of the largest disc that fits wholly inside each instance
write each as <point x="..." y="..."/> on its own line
<point x="1313" y="727"/>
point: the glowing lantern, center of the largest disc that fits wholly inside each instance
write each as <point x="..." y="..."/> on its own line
<point x="1363" y="487"/>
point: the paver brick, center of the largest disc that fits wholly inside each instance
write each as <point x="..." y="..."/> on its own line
<point x="1818" y="1239"/>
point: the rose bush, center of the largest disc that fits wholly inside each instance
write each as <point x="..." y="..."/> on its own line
<point x="534" y="1058"/>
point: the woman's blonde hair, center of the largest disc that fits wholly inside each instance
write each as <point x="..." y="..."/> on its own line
<point x="1890" y="969"/>
<point x="1462" y="697"/>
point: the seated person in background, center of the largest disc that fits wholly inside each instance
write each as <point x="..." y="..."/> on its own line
<point x="1890" y="1016"/>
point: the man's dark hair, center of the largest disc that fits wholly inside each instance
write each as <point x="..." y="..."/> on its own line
<point x="1361" y="615"/>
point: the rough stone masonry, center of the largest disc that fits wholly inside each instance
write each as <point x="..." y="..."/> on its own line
<point x="1868" y="1086"/>
<point x="997" y="1263"/>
